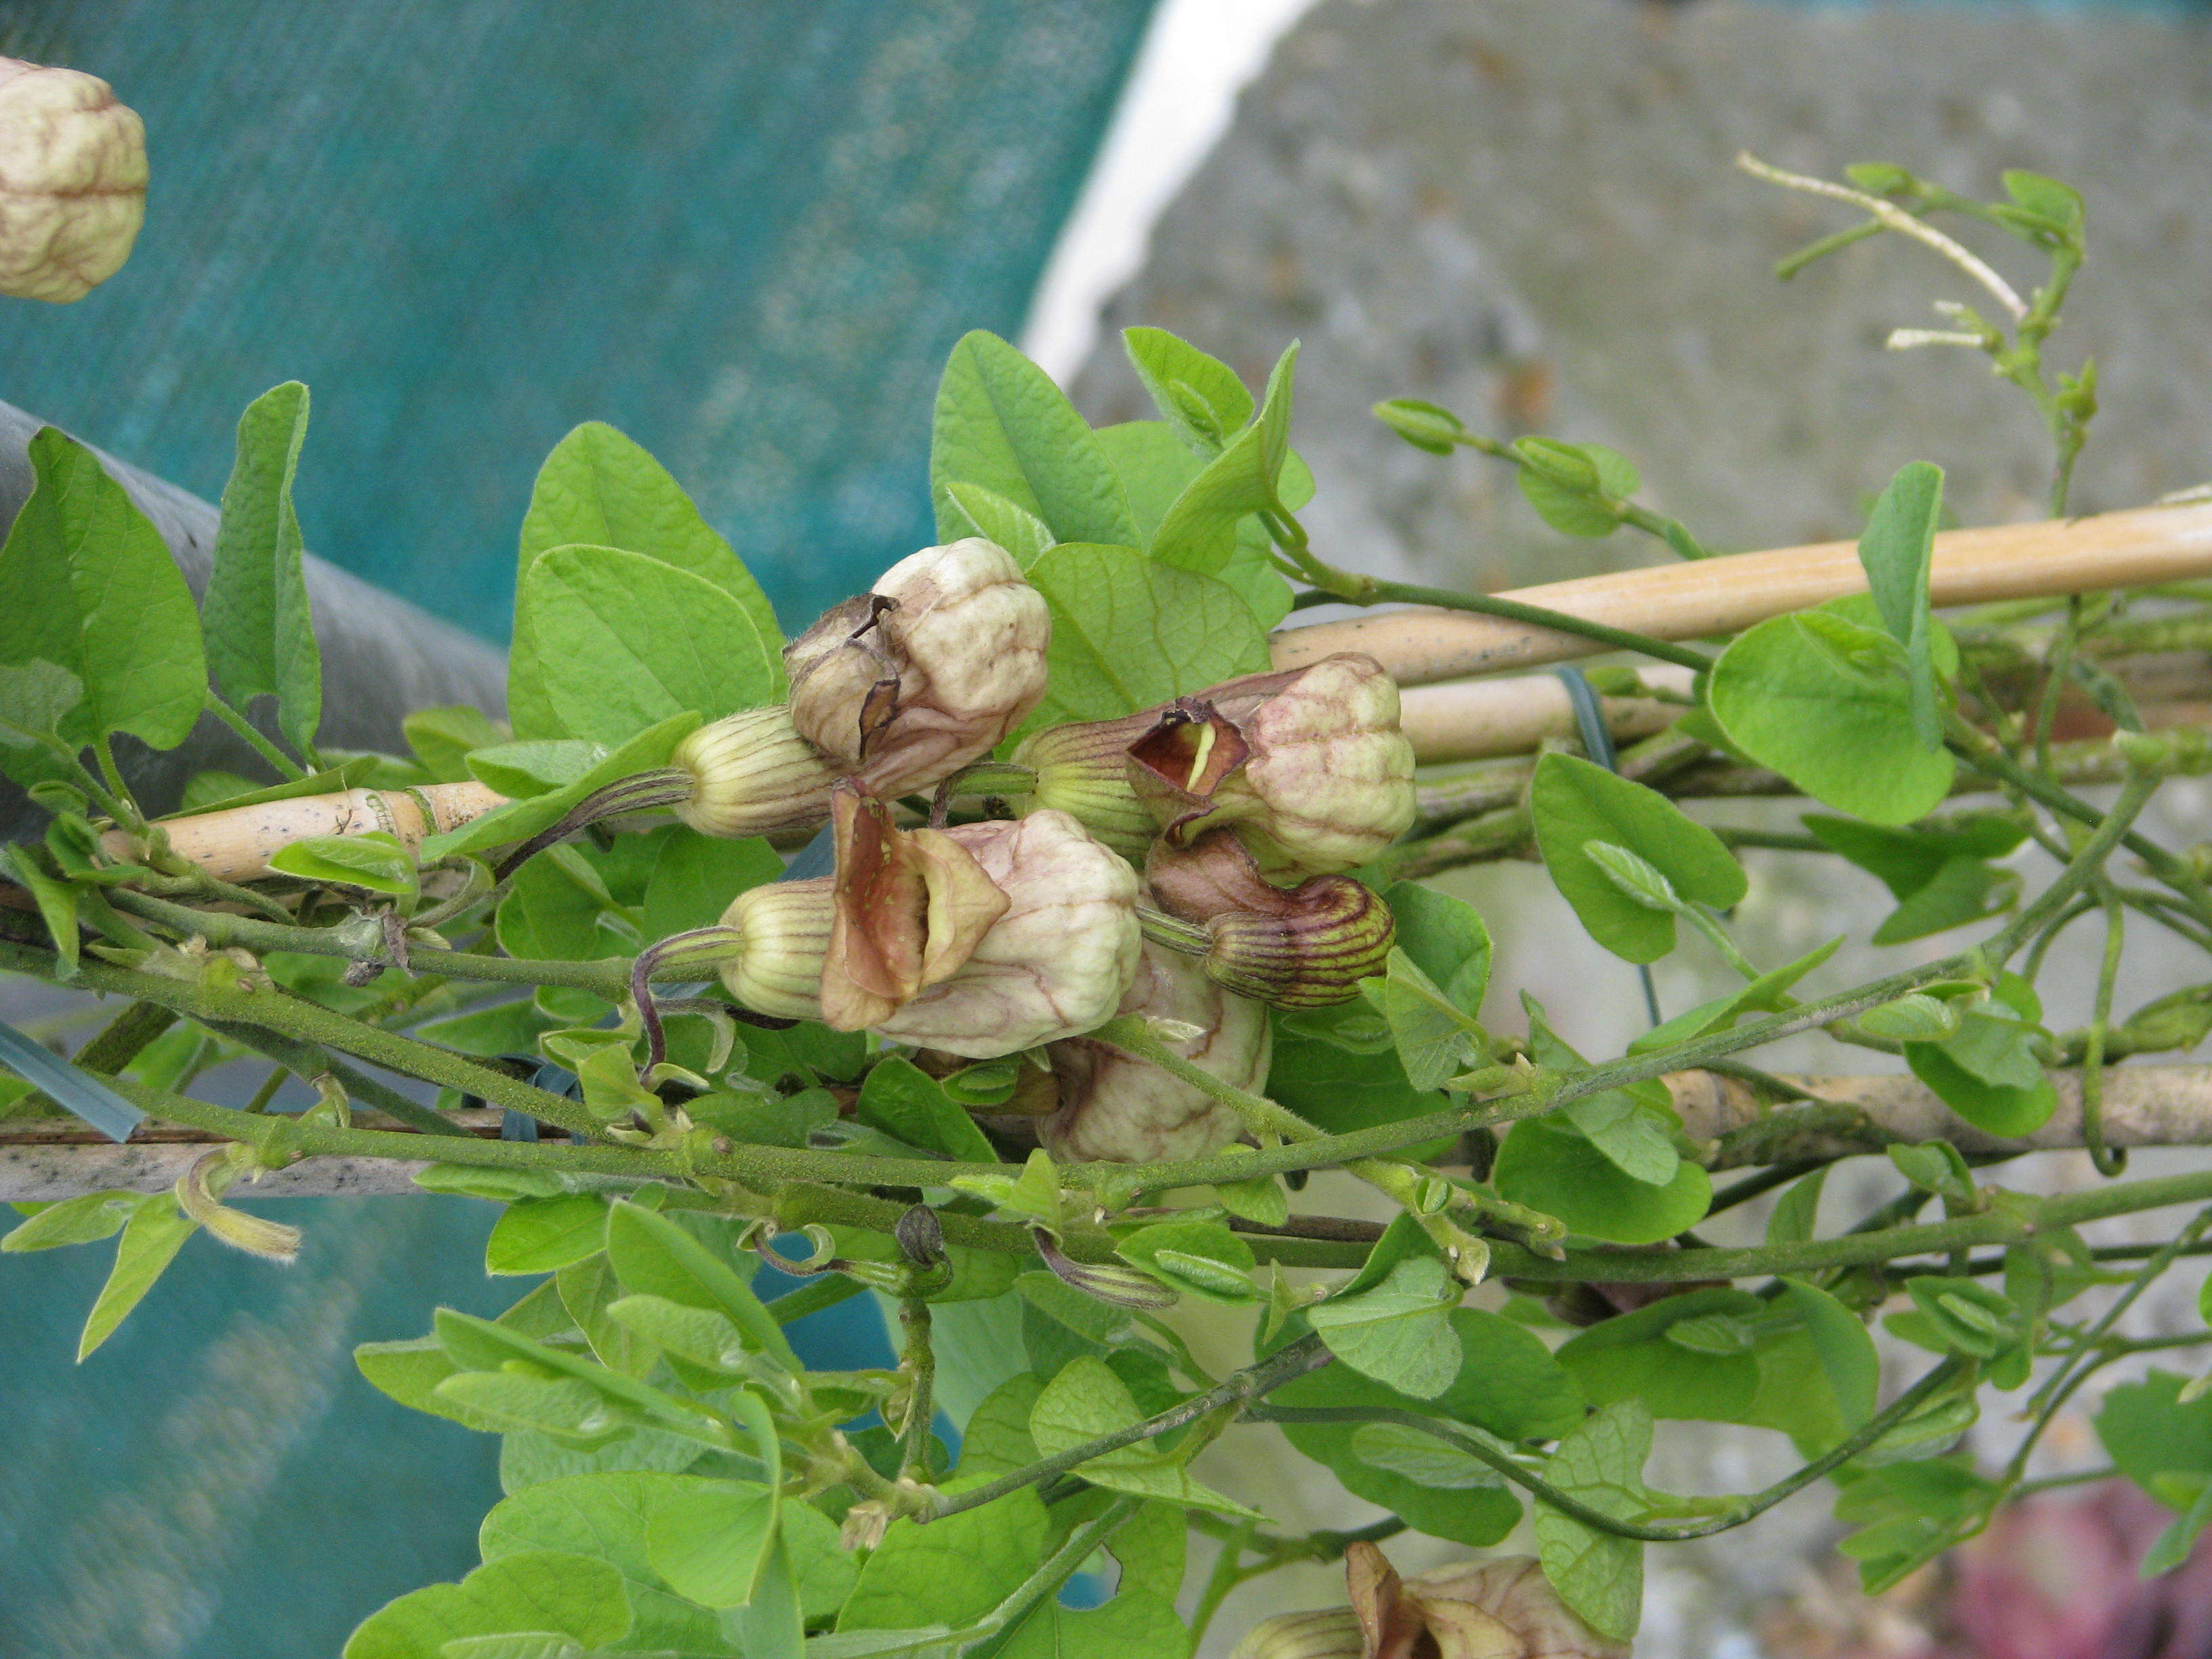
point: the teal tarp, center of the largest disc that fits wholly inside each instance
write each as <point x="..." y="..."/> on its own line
<point x="747" y="233"/>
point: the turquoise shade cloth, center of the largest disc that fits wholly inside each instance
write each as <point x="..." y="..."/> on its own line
<point x="744" y="231"/>
<point x="747" y="233"/>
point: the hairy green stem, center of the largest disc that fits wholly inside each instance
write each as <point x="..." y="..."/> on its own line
<point x="607" y="977"/>
<point x="2083" y="868"/>
<point x="119" y="798"/>
<point x="919" y="1361"/>
<point x="2106" y="1163"/>
<point x="813" y="1296"/>
<point x="758" y="1165"/>
<point x="795" y="1202"/>
<point x="1224" y="1578"/>
<point x="1400" y="1182"/>
<point x="307" y="1061"/>
<point x="1001" y="1624"/>
<point x="308" y="1022"/>
<point x="125" y="1037"/>
<point x="287" y="768"/>
<point x="1976" y="748"/>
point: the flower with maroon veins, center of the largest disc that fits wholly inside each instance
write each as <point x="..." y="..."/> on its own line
<point x="1307" y="947"/>
<point x="1307" y="765"/>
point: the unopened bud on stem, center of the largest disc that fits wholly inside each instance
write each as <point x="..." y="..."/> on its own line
<point x="751" y="774"/>
<point x="747" y="773"/>
<point x="1307" y="947"/>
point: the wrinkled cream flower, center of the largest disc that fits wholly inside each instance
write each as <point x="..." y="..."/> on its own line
<point x="1059" y="960"/>
<point x="1010" y="935"/>
<point x="1504" y="1608"/>
<point x="72" y="182"/>
<point x="925" y="673"/>
<point x="1115" y="1107"/>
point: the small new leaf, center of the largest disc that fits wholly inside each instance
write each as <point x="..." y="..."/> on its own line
<point x="260" y="636"/>
<point x="373" y="861"/>
<point x="1897" y="551"/>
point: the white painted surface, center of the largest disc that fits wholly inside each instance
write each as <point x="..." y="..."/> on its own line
<point x="1197" y="56"/>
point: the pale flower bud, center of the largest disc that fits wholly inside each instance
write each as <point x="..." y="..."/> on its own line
<point x="928" y="671"/>
<point x="1503" y="1608"/>
<point x="1082" y="769"/>
<point x="1307" y="765"/>
<point x="1308" y="947"/>
<point x="1117" y="1107"/>
<point x="72" y="182"/>
<point x="750" y="773"/>
<point x="1058" y="961"/>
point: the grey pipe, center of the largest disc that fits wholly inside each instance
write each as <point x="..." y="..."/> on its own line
<point x="382" y="657"/>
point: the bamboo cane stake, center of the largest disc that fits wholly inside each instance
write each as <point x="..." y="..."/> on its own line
<point x="55" y="1159"/>
<point x="1513" y="714"/>
<point x="2143" y="1106"/>
<point x="1431" y="652"/>
<point x="236" y="844"/>
<point x="1693" y="600"/>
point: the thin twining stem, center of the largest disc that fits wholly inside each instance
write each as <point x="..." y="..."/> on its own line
<point x="1238" y="1389"/>
<point x="1897" y="219"/>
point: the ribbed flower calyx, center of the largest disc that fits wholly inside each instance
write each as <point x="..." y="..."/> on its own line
<point x="775" y="939"/>
<point x="750" y="773"/>
<point x="1082" y="769"/>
